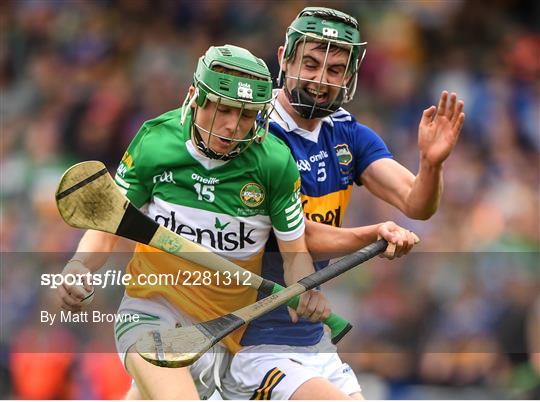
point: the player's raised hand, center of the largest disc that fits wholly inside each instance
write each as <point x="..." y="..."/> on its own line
<point x="440" y="128"/>
<point x="400" y="240"/>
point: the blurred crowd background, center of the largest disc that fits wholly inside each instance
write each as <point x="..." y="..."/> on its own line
<point x="458" y="318"/>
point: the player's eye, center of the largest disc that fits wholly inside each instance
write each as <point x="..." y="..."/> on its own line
<point x="224" y="109"/>
<point x="336" y="71"/>
<point x="249" y="115"/>
<point x="309" y="63"/>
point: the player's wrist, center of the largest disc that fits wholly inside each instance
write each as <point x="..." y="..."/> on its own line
<point x="75" y="264"/>
<point x="366" y="234"/>
<point x="429" y="165"/>
<point x="75" y="261"/>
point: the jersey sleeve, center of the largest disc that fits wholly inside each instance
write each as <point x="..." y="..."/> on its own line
<point x="368" y="147"/>
<point x="285" y="204"/>
<point x="130" y="173"/>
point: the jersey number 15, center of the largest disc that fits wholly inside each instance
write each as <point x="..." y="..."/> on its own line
<point x="204" y="192"/>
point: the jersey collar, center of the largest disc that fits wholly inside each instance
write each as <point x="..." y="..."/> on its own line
<point x="205" y="161"/>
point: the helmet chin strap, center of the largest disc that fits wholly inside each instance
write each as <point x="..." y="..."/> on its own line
<point x="308" y="108"/>
<point x="205" y="149"/>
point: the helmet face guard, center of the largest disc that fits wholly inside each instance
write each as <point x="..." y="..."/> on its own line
<point x="216" y="81"/>
<point x="333" y="31"/>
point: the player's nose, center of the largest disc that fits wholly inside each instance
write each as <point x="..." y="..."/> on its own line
<point x="320" y="75"/>
<point x="230" y="122"/>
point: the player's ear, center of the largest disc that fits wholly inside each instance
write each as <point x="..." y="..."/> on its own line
<point x="280" y="52"/>
<point x="191" y="93"/>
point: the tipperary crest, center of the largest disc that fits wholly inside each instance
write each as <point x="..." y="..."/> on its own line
<point x="252" y="195"/>
<point x="343" y="154"/>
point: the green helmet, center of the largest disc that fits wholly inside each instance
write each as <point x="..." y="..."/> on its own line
<point x="331" y="27"/>
<point x="232" y="76"/>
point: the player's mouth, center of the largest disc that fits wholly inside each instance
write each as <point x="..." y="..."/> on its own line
<point x="219" y="145"/>
<point x="225" y="141"/>
<point x="318" y="95"/>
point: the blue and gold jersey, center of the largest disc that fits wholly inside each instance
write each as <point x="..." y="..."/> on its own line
<point x="330" y="159"/>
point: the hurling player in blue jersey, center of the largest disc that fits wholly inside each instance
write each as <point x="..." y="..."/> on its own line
<point x="319" y="62"/>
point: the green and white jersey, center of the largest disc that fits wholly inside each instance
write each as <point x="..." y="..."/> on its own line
<point x="227" y="206"/>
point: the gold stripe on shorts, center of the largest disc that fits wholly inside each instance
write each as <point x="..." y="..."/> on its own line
<point x="272" y="378"/>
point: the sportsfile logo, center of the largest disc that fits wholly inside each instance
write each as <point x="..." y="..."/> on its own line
<point x="216" y="237"/>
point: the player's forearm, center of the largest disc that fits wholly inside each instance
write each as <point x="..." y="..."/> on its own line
<point x="95" y="248"/>
<point x="325" y="242"/>
<point x="425" y="195"/>
<point x="297" y="262"/>
<point x="297" y="266"/>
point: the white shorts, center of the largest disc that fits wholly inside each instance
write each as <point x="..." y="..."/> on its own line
<point x="276" y="371"/>
<point x="158" y="313"/>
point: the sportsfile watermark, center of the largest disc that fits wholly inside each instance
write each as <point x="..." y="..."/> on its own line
<point x="453" y="303"/>
<point x="94" y="316"/>
<point x="119" y="278"/>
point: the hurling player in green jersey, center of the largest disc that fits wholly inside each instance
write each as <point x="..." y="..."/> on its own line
<point x="319" y="64"/>
<point x="206" y="171"/>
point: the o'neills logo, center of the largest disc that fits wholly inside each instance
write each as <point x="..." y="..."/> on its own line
<point x="218" y="239"/>
<point x="343" y="154"/>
